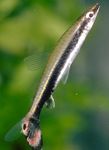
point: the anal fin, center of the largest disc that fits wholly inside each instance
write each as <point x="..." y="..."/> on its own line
<point x="50" y="103"/>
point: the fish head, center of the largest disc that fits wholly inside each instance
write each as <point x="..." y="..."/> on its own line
<point x="92" y="12"/>
<point x="32" y="132"/>
<point x="88" y="18"/>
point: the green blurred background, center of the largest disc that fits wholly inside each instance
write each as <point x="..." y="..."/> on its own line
<point x="80" y="120"/>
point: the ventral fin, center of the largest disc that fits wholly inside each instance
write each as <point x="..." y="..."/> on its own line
<point x="66" y="74"/>
<point x="50" y="103"/>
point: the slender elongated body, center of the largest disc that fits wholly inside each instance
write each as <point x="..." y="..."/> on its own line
<point x="58" y="65"/>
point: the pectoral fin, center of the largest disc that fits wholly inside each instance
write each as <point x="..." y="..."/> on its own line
<point x="50" y="103"/>
<point x="65" y="75"/>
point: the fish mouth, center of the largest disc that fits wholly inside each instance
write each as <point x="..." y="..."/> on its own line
<point x="95" y="8"/>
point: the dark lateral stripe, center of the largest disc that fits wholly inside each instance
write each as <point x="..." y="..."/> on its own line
<point x="67" y="52"/>
<point x="51" y="84"/>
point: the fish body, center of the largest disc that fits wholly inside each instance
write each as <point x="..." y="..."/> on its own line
<point x="57" y="67"/>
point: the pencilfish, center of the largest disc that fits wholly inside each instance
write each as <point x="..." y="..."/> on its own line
<point x="57" y="68"/>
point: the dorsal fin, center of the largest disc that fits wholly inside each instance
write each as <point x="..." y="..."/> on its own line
<point x="36" y="61"/>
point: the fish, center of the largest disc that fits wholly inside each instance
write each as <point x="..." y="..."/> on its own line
<point x="57" y="68"/>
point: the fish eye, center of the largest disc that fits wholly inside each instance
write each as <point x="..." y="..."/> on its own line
<point x="89" y="14"/>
